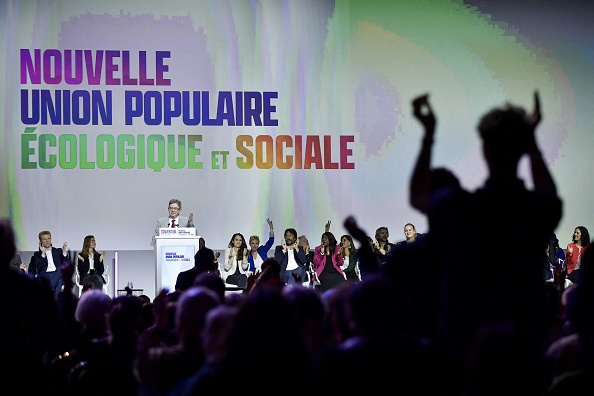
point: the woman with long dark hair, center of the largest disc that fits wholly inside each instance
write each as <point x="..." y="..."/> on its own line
<point x="236" y="261"/>
<point x="90" y="264"/>
<point x="328" y="262"/>
<point x="575" y="251"/>
<point x="351" y="258"/>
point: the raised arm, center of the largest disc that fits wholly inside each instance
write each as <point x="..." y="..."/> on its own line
<point x="541" y="177"/>
<point x="420" y="181"/>
<point x="367" y="261"/>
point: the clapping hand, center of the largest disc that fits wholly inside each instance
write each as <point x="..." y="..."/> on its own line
<point x="65" y="246"/>
<point x="423" y="112"/>
<point x="536" y="116"/>
<point x="191" y="218"/>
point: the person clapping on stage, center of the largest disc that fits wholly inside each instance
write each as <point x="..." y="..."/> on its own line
<point x="90" y="264"/>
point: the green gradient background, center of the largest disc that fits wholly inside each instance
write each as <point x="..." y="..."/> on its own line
<point x="341" y="68"/>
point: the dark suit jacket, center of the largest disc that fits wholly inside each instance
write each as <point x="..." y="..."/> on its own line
<point x="185" y="279"/>
<point x="283" y="258"/>
<point x="38" y="264"/>
<point x="83" y="266"/>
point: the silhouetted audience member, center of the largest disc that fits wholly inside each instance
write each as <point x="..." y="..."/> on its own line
<point x="204" y="261"/>
<point x="480" y="287"/>
<point x="30" y="331"/>
<point x="91" y="313"/>
<point x="553" y="258"/>
<point x="218" y="324"/>
<point x="581" y="380"/>
<point x="109" y="371"/>
<point x="337" y="324"/>
<point x="213" y="282"/>
<point x="17" y="263"/>
<point x="158" y="367"/>
<point x="265" y="334"/>
<point x="309" y="310"/>
<point x="384" y="352"/>
<point x="270" y="275"/>
<point x="498" y="363"/>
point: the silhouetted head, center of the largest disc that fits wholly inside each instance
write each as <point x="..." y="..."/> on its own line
<point x="272" y="266"/>
<point x="92" y="309"/>
<point x="192" y="307"/>
<point x="505" y="133"/>
<point x="204" y="260"/>
<point x="7" y="242"/>
<point x="379" y="308"/>
<point x="212" y="281"/>
<point x="443" y="178"/>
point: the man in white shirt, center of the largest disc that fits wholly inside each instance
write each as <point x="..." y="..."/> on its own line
<point x="292" y="259"/>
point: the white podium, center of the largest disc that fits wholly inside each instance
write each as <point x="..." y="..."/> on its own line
<point x="174" y="252"/>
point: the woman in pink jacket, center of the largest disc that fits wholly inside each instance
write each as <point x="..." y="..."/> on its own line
<point x="327" y="261"/>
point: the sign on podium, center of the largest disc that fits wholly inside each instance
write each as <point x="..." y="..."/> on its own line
<point x="174" y="252"/>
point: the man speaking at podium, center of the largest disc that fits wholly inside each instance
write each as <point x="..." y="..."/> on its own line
<point x="174" y="219"/>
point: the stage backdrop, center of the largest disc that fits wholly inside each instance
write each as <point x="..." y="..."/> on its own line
<point x="297" y="111"/>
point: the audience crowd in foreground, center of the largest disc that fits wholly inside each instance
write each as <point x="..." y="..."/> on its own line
<point x="441" y="315"/>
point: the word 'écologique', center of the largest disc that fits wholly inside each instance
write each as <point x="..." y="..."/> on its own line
<point x="157" y="152"/>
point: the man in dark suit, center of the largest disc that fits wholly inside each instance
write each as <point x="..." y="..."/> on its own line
<point x="175" y="219"/>
<point x="292" y="259"/>
<point x="47" y="260"/>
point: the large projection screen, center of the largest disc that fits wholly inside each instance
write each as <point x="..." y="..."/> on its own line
<point x="297" y="111"/>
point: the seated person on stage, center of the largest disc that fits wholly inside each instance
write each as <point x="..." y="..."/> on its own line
<point x="90" y="264"/>
<point x="292" y="259"/>
<point x="47" y="260"/>
<point x="259" y="253"/>
<point x="236" y="263"/>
